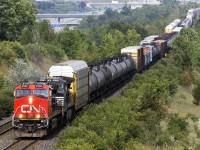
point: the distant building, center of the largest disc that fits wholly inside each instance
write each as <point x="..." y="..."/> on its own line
<point x="60" y="23"/>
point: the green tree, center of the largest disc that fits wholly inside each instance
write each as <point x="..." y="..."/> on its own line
<point x="121" y="26"/>
<point x="34" y="53"/>
<point x="196" y="95"/>
<point x="73" y="42"/>
<point x="126" y="10"/>
<point x="97" y="33"/>
<point x="186" y="49"/>
<point x="141" y="30"/>
<point x="6" y="101"/>
<point x="7" y="54"/>
<point x="119" y="40"/>
<point x="46" y="33"/>
<point x="15" y="15"/>
<point x="78" y="144"/>
<point x="41" y="32"/>
<point x="107" y="46"/>
<point x="57" y="54"/>
<point x="27" y="35"/>
<point x="177" y="127"/>
<point x="1" y="81"/>
<point x="134" y="145"/>
<point x="132" y="37"/>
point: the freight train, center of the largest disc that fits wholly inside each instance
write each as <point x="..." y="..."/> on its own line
<point x="41" y="106"/>
<point x="192" y="15"/>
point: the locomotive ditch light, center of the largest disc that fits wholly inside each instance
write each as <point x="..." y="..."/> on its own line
<point x="30" y="99"/>
<point x="24" y="86"/>
<point x="20" y="116"/>
<point x="38" y="86"/>
<point x="38" y="116"/>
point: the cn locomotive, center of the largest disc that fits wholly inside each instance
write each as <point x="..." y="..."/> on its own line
<point x="41" y="106"/>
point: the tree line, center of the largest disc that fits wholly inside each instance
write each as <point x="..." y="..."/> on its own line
<point x="139" y="118"/>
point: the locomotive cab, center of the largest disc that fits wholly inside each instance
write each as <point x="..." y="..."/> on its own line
<point x="40" y="107"/>
<point x="31" y="109"/>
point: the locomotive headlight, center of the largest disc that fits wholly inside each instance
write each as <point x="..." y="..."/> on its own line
<point x="30" y="100"/>
<point x="20" y="115"/>
<point x="38" y="116"/>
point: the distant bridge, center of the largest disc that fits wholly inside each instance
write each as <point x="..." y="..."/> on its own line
<point x="42" y="16"/>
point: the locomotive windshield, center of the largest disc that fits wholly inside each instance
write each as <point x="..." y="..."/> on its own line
<point x="38" y="92"/>
<point x="22" y="93"/>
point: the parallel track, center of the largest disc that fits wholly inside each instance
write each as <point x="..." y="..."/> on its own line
<point x="5" y="128"/>
<point x="21" y="144"/>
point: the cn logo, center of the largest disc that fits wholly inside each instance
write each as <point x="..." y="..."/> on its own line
<point x="29" y="108"/>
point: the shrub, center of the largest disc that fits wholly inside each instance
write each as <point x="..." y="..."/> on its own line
<point x="37" y="52"/>
<point x="19" y="50"/>
<point x="196" y="95"/>
<point x="7" y="55"/>
<point x="9" y="51"/>
<point x="134" y="145"/>
<point x="78" y="144"/>
<point x="6" y="101"/>
<point x="1" y="81"/>
<point x="186" y="78"/>
<point x="21" y="72"/>
<point x="178" y="127"/>
<point x="56" y="53"/>
<point x="34" y="53"/>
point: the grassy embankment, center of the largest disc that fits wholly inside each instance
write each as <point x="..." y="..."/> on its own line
<point x="182" y="103"/>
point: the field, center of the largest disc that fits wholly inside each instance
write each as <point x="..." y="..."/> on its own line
<point x="182" y="103"/>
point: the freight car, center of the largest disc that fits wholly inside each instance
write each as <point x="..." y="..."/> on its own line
<point x="172" y="25"/>
<point x="193" y="14"/>
<point x="187" y="23"/>
<point x="42" y="106"/>
<point x="144" y="56"/>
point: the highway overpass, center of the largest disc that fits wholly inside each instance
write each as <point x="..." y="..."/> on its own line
<point x="78" y="15"/>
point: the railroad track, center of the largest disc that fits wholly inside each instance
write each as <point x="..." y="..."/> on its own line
<point x="21" y="144"/>
<point x="5" y="127"/>
<point x="16" y="144"/>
